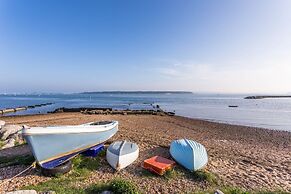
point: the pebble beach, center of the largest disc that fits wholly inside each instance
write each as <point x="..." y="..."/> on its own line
<point x="245" y="157"/>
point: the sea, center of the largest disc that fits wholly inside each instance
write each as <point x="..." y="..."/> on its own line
<point x="270" y="113"/>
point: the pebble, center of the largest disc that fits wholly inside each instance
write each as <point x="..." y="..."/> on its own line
<point x="47" y="192"/>
<point x="22" y="192"/>
<point x="149" y="131"/>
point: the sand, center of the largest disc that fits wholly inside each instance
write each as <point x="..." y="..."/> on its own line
<point x="245" y="157"/>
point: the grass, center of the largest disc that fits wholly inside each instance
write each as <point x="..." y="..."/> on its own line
<point x="17" y="143"/>
<point x="203" y="175"/>
<point x="272" y="192"/>
<point x="215" y="183"/>
<point x="117" y="186"/>
<point x="198" y="176"/>
<point x="148" y="174"/>
<point x="120" y="186"/>
<point x="16" y="160"/>
<point x="62" y="185"/>
<point x="235" y="190"/>
<point x="65" y="184"/>
<point x="83" y="166"/>
<point x="1" y="143"/>
<point x="170" y="174"/>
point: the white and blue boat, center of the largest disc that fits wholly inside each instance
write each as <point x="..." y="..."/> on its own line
<point x="52" y="146"/>
<point x="188" y="153"/>
<point x="120" y="154"/>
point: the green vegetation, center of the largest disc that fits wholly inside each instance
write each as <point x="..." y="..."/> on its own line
<point x="148" y="174"/>
<point x="235" y="190"/>
<point x="19" y="143"/>
<point x="72" y="183"/>
<point x="16" y="160"/>
<point x="170" y="174"/>
<point x="97" y="188"/>
<point x="61" y="185"/>
<point x="203" y="175"/>
<point x="272" y="192"/>
<point x="67" y="185"/>
<point x="1" y="143"/>
<point x="120" y="186"/>
<point x="82" y="166"/>
<point x="117" y="186"/>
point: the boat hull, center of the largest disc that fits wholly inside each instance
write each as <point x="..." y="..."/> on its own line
<point x="120" y="156"/>
<point x="51" y="150"/>
<point x="189" y="154"/>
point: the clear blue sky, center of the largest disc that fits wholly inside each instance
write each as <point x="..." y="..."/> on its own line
<point x="201" y="46"/>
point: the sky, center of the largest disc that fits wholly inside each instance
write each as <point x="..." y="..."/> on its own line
<point x="225" y="46"/>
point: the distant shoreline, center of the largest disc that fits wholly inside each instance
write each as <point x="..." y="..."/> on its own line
<point x="138" y="92"/>
<point x="262" y="97"/>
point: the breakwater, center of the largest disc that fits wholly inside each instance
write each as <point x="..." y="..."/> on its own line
<point x="23" y="108"/>
<point x="106" y="111"/>
<point x="262" y="97"/>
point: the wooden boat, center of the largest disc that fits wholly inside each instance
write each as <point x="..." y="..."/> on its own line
<point x="120" y="154"/>
<point x="52" y="146"/>
<point x="188" y="153"/>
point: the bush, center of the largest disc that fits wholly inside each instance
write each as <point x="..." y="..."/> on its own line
<point x="97" y="188"/>
<point x="117" y="186"/>
<point x="120" y="186"/>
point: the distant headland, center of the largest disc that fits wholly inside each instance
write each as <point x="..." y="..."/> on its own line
<point x="262" y="97"/>
<point x="138" y="92"/>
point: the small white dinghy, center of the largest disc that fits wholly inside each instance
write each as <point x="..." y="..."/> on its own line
<point x="120" y="154"/>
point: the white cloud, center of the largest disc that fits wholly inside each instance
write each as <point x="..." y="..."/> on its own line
<point x="250" y="78"/>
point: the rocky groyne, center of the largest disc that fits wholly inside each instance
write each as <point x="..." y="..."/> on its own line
<point x="106" y="111"/>
<point x="23" y="108"/>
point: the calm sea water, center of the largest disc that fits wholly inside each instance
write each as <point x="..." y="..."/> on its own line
<point x="266" y="113"/>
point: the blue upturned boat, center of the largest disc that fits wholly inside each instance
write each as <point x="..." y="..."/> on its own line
<point x="188" y="153"/>
<point x="52" y="146"/>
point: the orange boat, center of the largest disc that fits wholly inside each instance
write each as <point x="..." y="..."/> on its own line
<point x="158" y="164"/>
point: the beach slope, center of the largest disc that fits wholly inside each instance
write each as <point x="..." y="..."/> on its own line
<point x="245" y="157"/>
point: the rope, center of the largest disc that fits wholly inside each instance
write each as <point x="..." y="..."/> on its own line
<point x="33" y="165"/>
